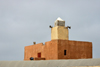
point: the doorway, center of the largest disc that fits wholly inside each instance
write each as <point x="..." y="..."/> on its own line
<point x="39" y="55"/>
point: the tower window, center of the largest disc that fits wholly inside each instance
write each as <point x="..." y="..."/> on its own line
<point x="64" y="52"/>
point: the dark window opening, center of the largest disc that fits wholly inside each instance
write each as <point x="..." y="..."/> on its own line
<point x="64" y="52"/>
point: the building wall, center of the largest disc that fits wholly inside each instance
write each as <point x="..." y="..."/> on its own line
<point x="54" y="49"/>
<point x="54" y="33"/>
<point x="62" y="33"/>
<point x="48" y="51"/>
<point x="59" y="32"/>
<point x="74" y="49"/>
<point x="32" y="50"/>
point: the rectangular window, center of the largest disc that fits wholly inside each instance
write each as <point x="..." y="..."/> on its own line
<point x="64" y="52"/>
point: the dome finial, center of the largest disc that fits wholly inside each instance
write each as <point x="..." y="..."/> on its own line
<point x="59" y="22"/>
<point x="59" y="19"/>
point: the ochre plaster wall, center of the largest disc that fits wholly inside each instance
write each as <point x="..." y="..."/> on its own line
<point x="74" y="49"/>
<point x="48" y="51"/>
<point x="62" y="32"/>
<point x="54" y="49"/>
<point x="59" y="32"/>
<point x="32" y="50"/>
<point x="54" y="32"/>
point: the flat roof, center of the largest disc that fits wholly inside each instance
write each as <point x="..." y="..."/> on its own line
<point x="51" y="63"/>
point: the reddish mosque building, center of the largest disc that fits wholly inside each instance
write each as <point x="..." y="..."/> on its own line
<point x="60" y="47"/>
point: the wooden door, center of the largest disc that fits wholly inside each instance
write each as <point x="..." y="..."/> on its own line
<point x="39" y="55"/>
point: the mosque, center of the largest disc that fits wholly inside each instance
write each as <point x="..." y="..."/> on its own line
<point x="59" y="52"/>
<point x="60" y="47"/>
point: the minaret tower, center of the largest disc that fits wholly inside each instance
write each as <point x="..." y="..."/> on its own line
<point x="59" y="31"/>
